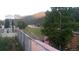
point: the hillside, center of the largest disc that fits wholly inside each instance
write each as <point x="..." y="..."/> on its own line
<point x="39" y="15"/>
<point x="35" y="19"/>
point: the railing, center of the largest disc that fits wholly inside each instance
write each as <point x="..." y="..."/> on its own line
<point x="24" y="40"/>
<point x="30" y="44"/>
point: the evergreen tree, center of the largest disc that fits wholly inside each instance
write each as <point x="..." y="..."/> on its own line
<point x="58" y="26"/>
<point x="21" y="24"/>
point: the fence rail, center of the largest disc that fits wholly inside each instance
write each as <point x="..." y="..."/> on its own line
<point x="24" y="40"/>
<point x="30" y="44"/>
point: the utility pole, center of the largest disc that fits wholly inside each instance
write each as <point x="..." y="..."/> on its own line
<point x="60" y="23"/>
<point x="60" y="20"/>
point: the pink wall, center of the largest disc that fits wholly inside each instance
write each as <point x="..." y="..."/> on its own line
<point x="40" y="46"/>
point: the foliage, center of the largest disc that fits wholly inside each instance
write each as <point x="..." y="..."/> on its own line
<point x="21" y="24"/>
<point x="9" y="44"/>
<point x="75" y="15"/>
<point x="58" y="26"/>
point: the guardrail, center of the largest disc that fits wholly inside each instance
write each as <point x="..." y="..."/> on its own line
<point x="30" y="44"/>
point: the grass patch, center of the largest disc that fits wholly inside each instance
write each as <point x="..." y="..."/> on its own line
<point x="36" y="32"/>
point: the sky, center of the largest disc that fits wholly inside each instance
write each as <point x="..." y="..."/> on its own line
<point x="23" y="7"/>
<point x="29" y="7"/>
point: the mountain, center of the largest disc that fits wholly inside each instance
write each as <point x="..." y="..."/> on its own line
<point x="35" y="19"/>
<point x="39" y="15"/>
